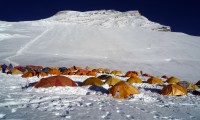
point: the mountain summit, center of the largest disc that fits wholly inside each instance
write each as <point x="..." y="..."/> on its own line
<point x="106" y="18"/>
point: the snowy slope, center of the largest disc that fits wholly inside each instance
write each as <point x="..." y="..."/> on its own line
<point x="110" y="39"/>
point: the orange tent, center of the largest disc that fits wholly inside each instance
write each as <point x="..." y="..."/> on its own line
<point x="54" y="71"/>
<point x="131" y="74"/>
<point x="154" y="80"/>
<point x="123" y="90"/>
<point x="81" y="72"/>
<point x="92" y="73"/>
<point x="30" y="73"/>
<point x="68" y="72"/>
<point x="43" y="74"/>
<point x="55" y="81"/>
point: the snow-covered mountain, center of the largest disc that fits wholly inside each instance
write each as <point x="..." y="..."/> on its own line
<point x="107" y="38"/>
<point x="99" y="39"/>
<point x="106" y="18"/>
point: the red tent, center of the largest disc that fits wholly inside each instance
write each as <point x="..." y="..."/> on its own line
<point x="55" y="81"/>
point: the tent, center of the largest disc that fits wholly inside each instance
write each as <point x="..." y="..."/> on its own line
<point x="134" y="80"/>
<point x="68" y="72"/>
<point x="184" y="84"/>
<point x="116" y="72"/>
<point x="54" y="71"/>
<point x="30" y="73"/>
<point x="42" y="74"/>
<point x="172" y="80"/>
<point x="81" y="72"/>
<point x="88" y="68"/>
<point x="155" y="80"/>
<point x="173" y="90"/>
<point x="122" y="90"/>
<point x="91" y="73"/>
<point x="55" y="81"/>
<point x="46" y="69"/>
<point x="92" y="81"/>
<point x="112" y="80"/>
<point x="106" y="70"/>
<point x="103" y="77"/>
<point x="187" y="85"/>
<point x="62" y="69"/>
<point x="192" y="87"/>
<point x="16" y="71"/>
<point x="131" y="74"/>
<point x="198" y="83"/>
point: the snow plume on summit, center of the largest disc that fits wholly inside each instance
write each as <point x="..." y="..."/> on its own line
<point x="107" y="18"/>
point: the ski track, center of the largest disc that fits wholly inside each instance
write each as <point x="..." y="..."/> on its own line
<point x="20" y="51"/>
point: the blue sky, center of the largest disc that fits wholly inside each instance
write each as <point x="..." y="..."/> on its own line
<point x="182" y="16"/>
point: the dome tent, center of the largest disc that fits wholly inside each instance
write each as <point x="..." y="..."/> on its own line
<point x="55" y="81"/>
<point x="134" y="80"/>
<point x="112" y="80"/>
<point x="92" y="81"/>
<point x="122" y="90"/>
<point x="174" y="90"/>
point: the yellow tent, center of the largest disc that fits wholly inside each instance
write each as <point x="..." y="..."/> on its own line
<point x="172" y="80"/>
<point x="192" y="87"/>
<point x="134" y="80"/>
<point x="88" y="68"/>
<point x="54" y="71"/>
<point x="122" y="90"/>
<point x="112" y="80"/>
<point x="16" y="71"/>
<point x="173" y="90"/>
<point x="116" y="72"/>
<point x="92" y="81"/>
<point x="154" y="80"/>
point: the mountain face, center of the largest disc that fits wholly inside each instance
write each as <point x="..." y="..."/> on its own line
<point x="106" y="18"/>
<point x="101" y="39"/>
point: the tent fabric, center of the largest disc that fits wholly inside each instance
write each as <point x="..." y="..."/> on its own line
<point x="122" y="90"/>
<point x="172" y="80"/>
<point x="134" y="80"/>
<point x="92" y="81"/>
<point x="198" y="83"/>
<point x="30" y="73"/>
<point x="16" y="71"/>
<point x="112" y="81"/>
<point x="88" y="68"/>
<point x="55" y="81"/>
<point x="131" y="74"/>
<point x="184" y="84"/>
<point x="46" y="69"/>
<point x="106" y="70"/>
<point x="81" y="72"/>
<point x="116" y="72"/>
<point x="155" y="80"/>
<point x="42" y="74"/>
<point x="54" y="71"/>
<point x="192" y="87"/>
<point x="103" y="77"/>
<point x="68" y="72"/>
<point x="62" y="69"/>
<point x="91" y="73"/>
<point x="173" y="90"/>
